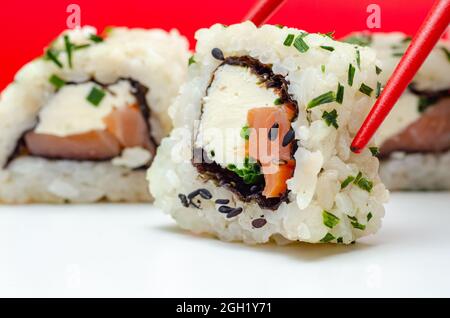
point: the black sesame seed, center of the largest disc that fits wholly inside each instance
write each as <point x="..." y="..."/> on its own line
<point x="205" y="194"/>
<point x="254" y="189"/>
<point x="193" y="194"/>
<point x="234" y="213"/>
<point x="225" y="209"/>
<point x="258" y="223"/>
<point x="183" y="200"/>
<point x="273" y="132"/>
<point x="222" y="201"/>
<point x="287" y="139"/>
<point x="217" y="54"/>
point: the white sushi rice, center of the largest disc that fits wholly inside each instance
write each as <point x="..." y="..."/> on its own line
<point x="418" y="171"/>
<point x="154" y="58"/>
<point x="323" y="160"/>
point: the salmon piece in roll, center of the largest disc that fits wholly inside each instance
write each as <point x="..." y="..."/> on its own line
<point x="81" y="124"/>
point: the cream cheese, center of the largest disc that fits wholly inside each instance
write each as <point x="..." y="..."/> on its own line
<point x="233" y="92"/>
<point x="68" y="112"/>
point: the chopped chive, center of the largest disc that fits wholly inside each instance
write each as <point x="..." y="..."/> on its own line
<point x="53" y="56"/>
<point x="328" y="48"/>
<point x="289" y="40"/>
<point x="278" y="101"/>
<point x="447" y="53"/>
<point x="356" y="224"/>
<point x="330" y="34"/>
<point x="96" y="96"/>
<point x="325" y="98"/>
<point x="300" y="44"/>
<point x="351" y="74"/>
<point x="347" y="181"/>
<point x="245" y="132"/>
<point x="340" y="94"/>
<point x="191" y="60"/>
<point x="374" y="150"/>
<point x="327" y="238"/>
<point x="407" y="39"/>
<point x="358" y="177"/>
<point x="57" y="81"/>
<point x="398" y="54"/>
<point x="279" y="26"/>
<point x="330" y="220"/>
<point x="81" y="47"/>
<point x="331" y="118"/>
<point x="95" y="38"/>
<point x="361" y="40"/>
<point x="378" y="91"/>
<point x="340" y="240"/>
<point x="69" y="47"/>
<point x="322" y="67"/>
<point x="365" y="184"/>
<point x="378" y="70"/>
<point x="369" y="216"/>
<point x="365" y="89"/>
<point x="212" y="153"/>
<point x="358" y="59"/>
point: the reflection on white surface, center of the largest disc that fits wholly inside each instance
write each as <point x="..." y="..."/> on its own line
<point x="135" y="250"/>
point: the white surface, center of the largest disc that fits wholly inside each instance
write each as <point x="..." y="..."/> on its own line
<point x="135" y="250"/>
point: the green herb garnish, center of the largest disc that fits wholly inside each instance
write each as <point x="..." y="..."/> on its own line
<point x="279" y="26"/>
<point x="191" y="60"/>
<point x="378" y="91"/>
<point x="250" y="173"/>
<point x="407" y="39"/>
<point x="278" y="101"/>
<point x="375" y="151"/>
<point x="325" y="98"/>
<point x="56" y="81"/>
<point x="398" y="54"/>
<point x="340" y="94"/>
<point x="365" y="184"/>
<point x="69" y="47"/>
<point x="81" y="47"/>
<point x="245" y="132"/>
<point x="327" y="238"/>
<point x="358" y="177"/>
<point x="347" y="181"/>
<point x="96" y="96"/>
<point x="369" y="216"/>
<point x="378" y="70"/>
<point x="340" y="240"/>
<point x="53" y="56"/>
<point x="367" y="90"/>
<point x="328" y="48"/>
<point x="447" y="53"/>
<point x="95" y="38"/>
<point x="330" y="220"/>
<point x="356" y="224"/>
<point x="351" y="74"/>
<point x="425" y="102"/>
<point x="300" y="44"/>
<point x="331" y="118"/>
<point x="361" y="40"/>
<point x="322" y="67"/>
<point x="289" y="40"/>
<point x="358" y="59"/>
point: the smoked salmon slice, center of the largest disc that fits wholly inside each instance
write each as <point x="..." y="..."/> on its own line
<point x="94" y="145"/>
<point x="269" y="126"/>
<point x="125" y="128"/>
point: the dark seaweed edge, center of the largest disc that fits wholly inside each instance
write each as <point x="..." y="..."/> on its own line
<point x="222" y="177"/>
<point x="139" y="91"/>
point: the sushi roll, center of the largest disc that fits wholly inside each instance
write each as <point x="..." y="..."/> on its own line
<point x="415" y="138"/>
<point x="82" y="123"/>
<point x="261" y="145"/>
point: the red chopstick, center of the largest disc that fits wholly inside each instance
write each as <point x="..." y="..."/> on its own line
<point x="263" y="10"/>
<point x="429" y="33"/>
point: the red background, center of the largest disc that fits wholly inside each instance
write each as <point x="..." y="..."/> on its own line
<point x="28" y="26"/>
